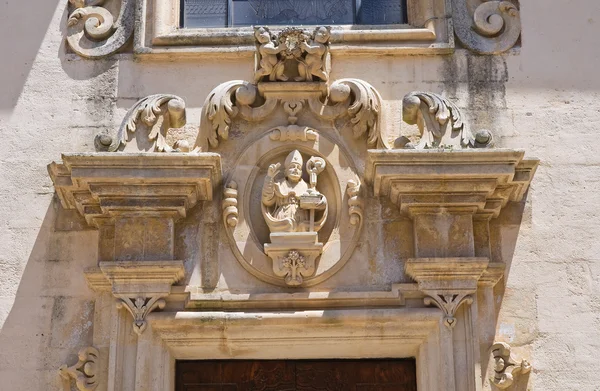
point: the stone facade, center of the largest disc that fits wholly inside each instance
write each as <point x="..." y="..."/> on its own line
<point x="145" y="196"/>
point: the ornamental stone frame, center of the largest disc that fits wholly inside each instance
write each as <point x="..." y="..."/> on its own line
<point x="99" y="28"/>
<point x="446" y="190"/>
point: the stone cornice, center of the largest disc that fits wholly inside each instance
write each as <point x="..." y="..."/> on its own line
<point x="480" y="181"/>
<point x="103" y="185"/>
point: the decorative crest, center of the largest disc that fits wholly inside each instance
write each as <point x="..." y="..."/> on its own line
<point x="506" y="367"/>
<point x="84" y="372"/>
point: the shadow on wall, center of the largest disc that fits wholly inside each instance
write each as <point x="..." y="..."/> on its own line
<point x="24" y="27"/>
<point x="51" y="317"/>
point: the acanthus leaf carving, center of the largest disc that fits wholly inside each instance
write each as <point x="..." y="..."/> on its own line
<point x="158" y="112"/>
<point x="92" y="31"/>
<point x="229" y="205"/>
<point x="506" y="367"/>
<point x="488" y="27"/>
<point x="139" y="308"/>
<point x="448" y="303"/>
<point x="440" y="122"/>
<point x="84" y="372"/>
<point x="355" y="209"/>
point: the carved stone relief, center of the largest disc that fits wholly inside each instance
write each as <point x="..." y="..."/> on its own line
<point x="84" y="372"/>
<point x="139" y="308"/>
<point x="486" y="27"/>
<point x="506" y="367"/>
<point x="92" y="30"/>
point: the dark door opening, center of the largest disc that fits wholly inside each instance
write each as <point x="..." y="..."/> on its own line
<point x="297" y="375"/>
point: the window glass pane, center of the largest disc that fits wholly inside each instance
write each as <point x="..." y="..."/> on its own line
<point x="223" y="13"/>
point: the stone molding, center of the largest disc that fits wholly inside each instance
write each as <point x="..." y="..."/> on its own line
<point x="84" y="372"/>
<point x="506" y="366"/>
<point x="158" y="34"/>
<point x="447" y="282"/>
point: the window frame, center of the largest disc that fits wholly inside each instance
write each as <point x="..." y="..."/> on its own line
<point x="159" y="34"/>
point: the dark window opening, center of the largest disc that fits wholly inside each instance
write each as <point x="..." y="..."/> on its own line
<point x="240" y="13"/>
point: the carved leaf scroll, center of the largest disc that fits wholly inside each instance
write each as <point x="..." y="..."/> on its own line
<point x="448" y="303"/>
<point x="506" y="367"/>
<point x="355" y="209"/>
<point x="486" y="27"/>
<point x="84" y="372"/>
<point x="92" y="31"/>
<point x="149" y="111"/>
<point x="229" y="205"/>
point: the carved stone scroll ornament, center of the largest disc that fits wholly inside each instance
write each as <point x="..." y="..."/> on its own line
<point x="486" y="27"/>
<point x="506" y="367"/>
<point x="440" y="123"/>
<point x="292" y="55"/>
<point x="158" y="113"/>
<point x="355" y="209"/>
<point x="139" y="308"/>
<point x="84" y="372"/>
<point x="92" y="31"/>
<point x="230" y="202"/>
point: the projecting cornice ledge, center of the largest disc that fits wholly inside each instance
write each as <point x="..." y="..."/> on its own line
<point x="480" y="181"/>
<point x="102" y="186"/>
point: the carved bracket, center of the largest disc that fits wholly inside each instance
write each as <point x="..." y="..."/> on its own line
<point x="139" y="308"/>
<point x="92" y="31"/>
<point x="506" y="367"/>
<point x="447" y="282"/>
<point x="84" y="372"/>
<point x="486" y="27"/>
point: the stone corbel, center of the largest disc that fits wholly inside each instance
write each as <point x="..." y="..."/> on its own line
<point x="84" y="372"/>
<point x="447" y="282"/>
<point x="92" y="31"/>
<point x="486" y="27"/>
<point x="506" y="367"/>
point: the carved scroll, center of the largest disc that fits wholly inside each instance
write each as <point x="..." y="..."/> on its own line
<point x="486" y="27"/>
<point x="440" y="123"/>
<point x="139" y="308"/>
<point x="157" y="112"/>
<point x="293" y="133"/>
<point x="92" y="31"/>
<point x="84" y="372"/>
<point x="229" y="205"/>
<point x="506" y="367"/>
<point x="355" y="209"/>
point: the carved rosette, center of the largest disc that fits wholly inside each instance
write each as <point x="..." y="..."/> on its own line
<point x="158" y="113"/>
<point x="506" y="367"/>
<point x="486" y="27"/>
<point x="139" y="308"/>
<point x="84" y="372"/>
<point x="92" y="31"/>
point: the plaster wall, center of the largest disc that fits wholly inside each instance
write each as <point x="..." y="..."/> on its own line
<point x="542" y="96"/>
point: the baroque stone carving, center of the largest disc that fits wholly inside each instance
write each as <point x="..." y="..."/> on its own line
<point x="84" y="372"/>
<point x="440" y="123"/>
<point x="139" y="308"/>
<point x="230" y="210"/>
<point x="355" y="209"/>
<point x="506" y="367"/>
<point x="92" y="31"/>
<point x="448" y="303"/>
<point x="486" y="27"/>
<point x="158" y="113"/>
<point x="290" y="207"/>
<point x="292" y="55"/>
